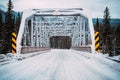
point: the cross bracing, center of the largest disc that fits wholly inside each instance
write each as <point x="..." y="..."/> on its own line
<point x="41" y="24"/>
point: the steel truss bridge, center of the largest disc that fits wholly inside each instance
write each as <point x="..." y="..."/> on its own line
<point x="44" y="28"/>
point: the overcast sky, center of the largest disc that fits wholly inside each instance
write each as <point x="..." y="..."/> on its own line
<point x="96" y="7"/>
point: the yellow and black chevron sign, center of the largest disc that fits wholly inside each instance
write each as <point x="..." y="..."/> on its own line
<point x="13" y="43"/>
<point x="97" y="42"/>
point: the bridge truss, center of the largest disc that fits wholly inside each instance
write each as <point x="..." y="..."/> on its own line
<point x="39" y="25"/>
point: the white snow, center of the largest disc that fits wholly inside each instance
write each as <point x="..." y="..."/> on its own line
<point x="11" y="58"/>
<point x="113" y="57"/>
<point x="116" y="57"/>
<point x="100" y="58"/>
<point x="60" y="65"/>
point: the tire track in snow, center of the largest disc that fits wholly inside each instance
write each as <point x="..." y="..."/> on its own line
<point x="58" y="65"/>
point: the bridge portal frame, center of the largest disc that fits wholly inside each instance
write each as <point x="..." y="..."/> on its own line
<point x="29" y="13"/>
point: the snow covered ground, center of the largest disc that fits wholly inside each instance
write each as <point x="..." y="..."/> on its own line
<point x="61" y="65"/>
<point x="11" y="58"/>
<point x="116" y="58"/>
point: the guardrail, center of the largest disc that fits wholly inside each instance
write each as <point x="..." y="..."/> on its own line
<point x="83" y="48"/>
<point x="32" y="49"/>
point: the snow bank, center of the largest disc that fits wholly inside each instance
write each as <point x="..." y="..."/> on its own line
<point x="10" y="58"/>
<point x="114" y="58"/>
<point x="99" y="57"/>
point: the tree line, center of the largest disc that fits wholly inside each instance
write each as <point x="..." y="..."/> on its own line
<point x="8" y="25"/>
<point x="109" y="36"/>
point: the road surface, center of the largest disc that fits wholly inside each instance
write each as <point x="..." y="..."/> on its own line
<point x="58" y="65"/>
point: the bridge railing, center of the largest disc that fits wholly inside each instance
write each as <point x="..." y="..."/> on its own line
<point x="32" y="49"/>
<point x="83" y="48"/>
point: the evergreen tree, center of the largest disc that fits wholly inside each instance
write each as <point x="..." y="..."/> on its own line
<point x="9" y="25"/>
<point x="97" y="25"/>
<point x="106" y="23"/>
<point x="18" y="21"/>
<point x="14" y="23"/>
<point x="117" y="42"/>
<point x="1" y="24"/>
<point x="101" y="36"/>
<point x="107" y="32"/>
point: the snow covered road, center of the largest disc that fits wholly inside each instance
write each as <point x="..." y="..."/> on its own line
<point x="58" y="65"/>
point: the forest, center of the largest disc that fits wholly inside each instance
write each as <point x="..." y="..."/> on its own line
<point x="9" y="22"/>
<point x="109" y="34"/>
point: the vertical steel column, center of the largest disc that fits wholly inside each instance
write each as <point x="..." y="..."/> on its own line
<point x="37" y="25"/>
<point x="83" y="31"/>
<point x="32" y="25"/>
<point x="80" y="31"/>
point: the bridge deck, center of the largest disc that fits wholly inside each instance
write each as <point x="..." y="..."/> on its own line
<point x="58" y="65"/>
